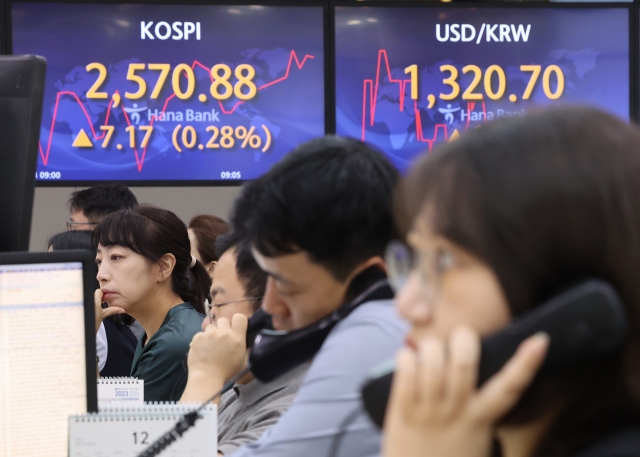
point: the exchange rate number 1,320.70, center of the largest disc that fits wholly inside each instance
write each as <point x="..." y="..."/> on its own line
<point x="495" y="82"/>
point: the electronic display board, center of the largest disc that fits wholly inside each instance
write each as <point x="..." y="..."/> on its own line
<point x="410" y="77"/>
<point x="173" y="92"/>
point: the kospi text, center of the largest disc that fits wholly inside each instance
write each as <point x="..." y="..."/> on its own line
<point x="163" y="30"/>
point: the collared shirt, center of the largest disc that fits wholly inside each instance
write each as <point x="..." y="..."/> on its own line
<point x="327" y="410"/>
<point x="160" y="361"/>
<point x="250" y="409"/>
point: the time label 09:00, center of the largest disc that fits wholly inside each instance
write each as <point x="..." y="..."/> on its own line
<point x="48" y="175"/>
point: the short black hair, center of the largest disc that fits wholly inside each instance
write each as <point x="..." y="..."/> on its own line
<point x="249" y="272"/>
<point x="225" y="242"/>
<point x="100" y="200"/>
<point x="330" y="197"/>
<point x="72" y="239"/>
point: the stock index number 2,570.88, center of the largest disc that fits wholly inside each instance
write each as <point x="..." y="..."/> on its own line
<point x="220" y="88"/>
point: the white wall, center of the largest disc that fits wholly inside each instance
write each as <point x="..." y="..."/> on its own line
<point x="50" y="211"/>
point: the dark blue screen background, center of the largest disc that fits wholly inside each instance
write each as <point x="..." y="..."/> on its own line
<point x="274" y="39"/>
<point x="591" y="46"/>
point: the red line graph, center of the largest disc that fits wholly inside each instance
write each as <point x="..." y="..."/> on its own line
<point x="402" y="89"/>
<point x="140" y="159"/>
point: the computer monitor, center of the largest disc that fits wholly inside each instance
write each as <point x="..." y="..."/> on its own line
<point x="21" y="92"/>
<point x="414" y="75"/>
<point x="47" y="349"/>
<point x="143" y="93"/>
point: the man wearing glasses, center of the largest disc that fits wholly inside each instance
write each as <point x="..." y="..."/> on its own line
<point x="251" y="407"/>
<point x="89" y="206"/>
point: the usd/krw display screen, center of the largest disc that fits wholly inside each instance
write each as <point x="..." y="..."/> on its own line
<point x="150" y="92"/>
<point x="409" y="78"/>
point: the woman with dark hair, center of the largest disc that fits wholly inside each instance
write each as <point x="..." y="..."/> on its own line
<point x="500" y="221"/>
<point x="145" y="268"/>
<point x="204" y="229"/>
<point x="115" y="342"/>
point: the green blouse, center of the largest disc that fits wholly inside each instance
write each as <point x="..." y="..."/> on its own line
<point x="161" y="362"/>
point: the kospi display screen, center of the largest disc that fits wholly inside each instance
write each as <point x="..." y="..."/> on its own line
<point x="173" y="93"/>
<point x="408" y="78"/>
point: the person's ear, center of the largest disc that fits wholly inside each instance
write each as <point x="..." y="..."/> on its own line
<point x="166" y="263"/>
<point x="375" y="261"/>
<point x="210" y="267"/>
<point x="371" y="262"/>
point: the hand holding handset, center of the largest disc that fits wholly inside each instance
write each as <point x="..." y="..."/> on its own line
<point x="257" y="321"/>
<point x="584" y="322"/>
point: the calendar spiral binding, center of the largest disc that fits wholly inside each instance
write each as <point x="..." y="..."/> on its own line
<point x="118" y="380"/>
<point x="150" y="411"/>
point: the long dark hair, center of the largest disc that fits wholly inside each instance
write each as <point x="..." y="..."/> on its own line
<point x="207" y="228"/>
<point x="545" y="200"/>
<point x="153" y="232"/>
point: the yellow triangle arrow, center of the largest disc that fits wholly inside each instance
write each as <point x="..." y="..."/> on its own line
<point x="82" y="140"/>
<point x="454" y="136"/>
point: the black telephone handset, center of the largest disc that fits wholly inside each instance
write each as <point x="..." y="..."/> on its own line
<point x="257" y="322"/>
<point x="584" y="322"/>
<point x="276" y="352"/>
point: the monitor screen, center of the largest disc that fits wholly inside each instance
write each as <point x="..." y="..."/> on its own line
<point x="173" y="93"/>
<point x="408" y="78"/>
<point x="42" y="356"/>
<point x="21" y="89"/>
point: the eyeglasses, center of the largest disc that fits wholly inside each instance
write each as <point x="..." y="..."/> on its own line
<point x="402" y="262"/>
<point x="209" y="306"/>
<point x="75" y="225"/>
<point x="218" y="305"/>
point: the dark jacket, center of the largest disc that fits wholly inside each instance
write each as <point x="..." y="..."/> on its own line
<point x="625" y="443"/>
<point x="122" y="345"/>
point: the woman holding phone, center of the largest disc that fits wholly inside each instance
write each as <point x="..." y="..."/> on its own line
<point x="145" y="268"/>
<point x="497" y="223"/>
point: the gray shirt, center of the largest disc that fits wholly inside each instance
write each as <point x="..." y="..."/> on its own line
<point x="330" y="392"/>
<point x="248" y="410"/>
